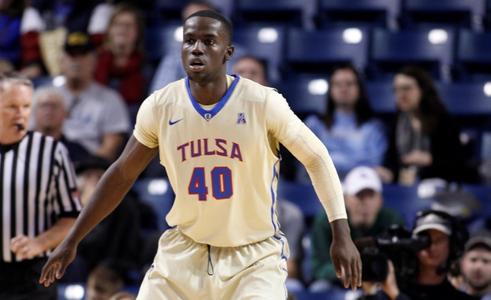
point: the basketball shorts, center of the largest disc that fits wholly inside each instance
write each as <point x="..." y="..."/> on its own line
<point x="186" y="270"/>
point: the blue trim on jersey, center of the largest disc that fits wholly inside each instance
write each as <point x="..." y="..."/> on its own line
<point x="273" y="196"/>
<point x="208" y="114"/>
<point x="281" y="239"/>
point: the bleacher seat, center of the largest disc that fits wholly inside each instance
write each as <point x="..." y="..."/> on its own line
<point x="157" y="193"/>
<point x="467" y="99"/>
<point x="460" y="13"/>
<point x="265" y="42"/>
<point x="279" y="12"/>
<point x="317" y="51"/>
<point x="376" y="13"/>
<point x="483" y="194"/>
<point x="431" y="49"/>
<point x="404" y="200"/>
<point x="302" y="195"/>
<point x="160" y="39"/>
<point x="474" y="55"/>
<point x="381" y="96"/>
<point x="331" y="294"/>
<point x="306" y="94"/>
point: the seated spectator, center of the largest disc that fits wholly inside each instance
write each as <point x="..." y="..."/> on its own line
<point x="103" y="283"/>
<point x="475" y="267"/>
<point x="425" y="140"/>
<point x="170" y="68"/>
<point x="97" y="116"/>
<point x="348" y="129"/>
<point x="290" y="216"/>
<point x="19" y="39"/>
<point x="252" y="68"/>
<point x="117" y="239"/>
<point x="49" y="115"/>
<point x="120" y="61"/>
<point x="447" y="238"/>
<point x="366" y="216"/>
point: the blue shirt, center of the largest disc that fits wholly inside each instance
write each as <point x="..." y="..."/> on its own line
<point x="350" y="145"/>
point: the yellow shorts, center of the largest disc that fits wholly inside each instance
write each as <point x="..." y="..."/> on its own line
<point x="184" y="269"/>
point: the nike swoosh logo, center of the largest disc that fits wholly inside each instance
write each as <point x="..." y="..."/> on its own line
<point x="174" y="122"/>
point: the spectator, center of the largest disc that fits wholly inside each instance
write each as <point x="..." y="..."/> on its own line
<point x="19" y="39"/>
<point x="348" y="129"/>
<point x="447" y="238"/>
<point x="120" y="61"/>
<point x="97" y="116"/>
<point x="103" y="283"/>
<point x="117" y="239"/>
<point x="476" y="267"/>
<point x="170" y="68"/>
<point x="366" y="214"/>
<point x="252" y="68"/>
<point x="425" y="141"/>
<point x="49" y="115"/>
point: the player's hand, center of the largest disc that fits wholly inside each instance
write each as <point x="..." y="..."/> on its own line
<point x="57" y="263"/>
<point x="25" y="247"/>
<point x="345" y="256"/>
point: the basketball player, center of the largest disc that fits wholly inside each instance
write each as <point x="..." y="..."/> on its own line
<point x="217" y="136"/>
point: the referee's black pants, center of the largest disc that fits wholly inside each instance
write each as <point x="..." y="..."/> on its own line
<point x="20" y="281"/>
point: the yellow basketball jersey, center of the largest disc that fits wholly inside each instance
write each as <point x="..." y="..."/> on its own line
<point x="222" y="163"/>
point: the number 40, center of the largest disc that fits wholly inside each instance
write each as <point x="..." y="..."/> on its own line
<point x="221" y="183"/>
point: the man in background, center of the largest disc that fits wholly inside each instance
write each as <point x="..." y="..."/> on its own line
<point x="97" y="117"/>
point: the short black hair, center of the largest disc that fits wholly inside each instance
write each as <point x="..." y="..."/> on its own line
<point x="217" y="16"/>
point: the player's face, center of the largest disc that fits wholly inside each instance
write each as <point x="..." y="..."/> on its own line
<point x="15" y="109"/>
<point x="344" y="88"/>
<point x="250" y="69"/>
<point x="205" y="48"/>
<point x="407" y="92"/>
<point x="49" y="112"/>
<point x="476" y="268"/>
<point x="437" y="253"/>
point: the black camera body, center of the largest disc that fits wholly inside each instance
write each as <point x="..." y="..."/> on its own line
<point x="398" y="245"/>
<point x="401" y="247"/>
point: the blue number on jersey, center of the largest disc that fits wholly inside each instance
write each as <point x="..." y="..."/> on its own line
<point x="197" y="184"/>
<point x="221" y="178"/>
<point x="221" y="183"/>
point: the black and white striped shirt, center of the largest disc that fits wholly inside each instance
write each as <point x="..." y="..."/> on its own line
<point x="37" y="187"/>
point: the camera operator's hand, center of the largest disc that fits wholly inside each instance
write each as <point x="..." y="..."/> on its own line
<point x="344" y="255"/>
<point x="389" y="286"/>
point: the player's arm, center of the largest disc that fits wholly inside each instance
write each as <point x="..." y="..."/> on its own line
<point x="109" y="192"/>
<point x="310" y="151"/>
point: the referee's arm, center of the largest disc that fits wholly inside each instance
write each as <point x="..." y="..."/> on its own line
<point x="109" y="192"/>
<point x="26" y="247"/>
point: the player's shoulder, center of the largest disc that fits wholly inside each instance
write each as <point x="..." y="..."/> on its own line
<point x="253" y="91"/>
<point x="168" y="93"/>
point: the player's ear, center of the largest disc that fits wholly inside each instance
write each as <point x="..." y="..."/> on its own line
<point x="229" y="52"/>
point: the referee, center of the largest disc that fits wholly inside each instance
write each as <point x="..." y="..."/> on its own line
<point x="38" y="194"/>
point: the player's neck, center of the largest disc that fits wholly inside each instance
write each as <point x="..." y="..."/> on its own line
<point x="210" y="92"/>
